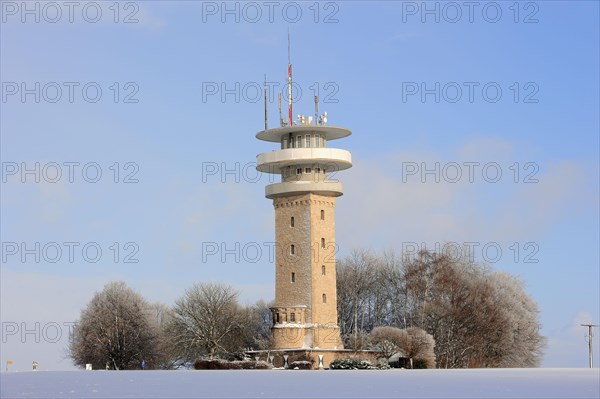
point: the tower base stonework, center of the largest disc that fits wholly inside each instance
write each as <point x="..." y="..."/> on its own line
<point x="307" y="337"/>
<point x="305" y="312"/>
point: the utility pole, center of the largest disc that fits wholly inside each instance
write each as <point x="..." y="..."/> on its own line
<point x="590" y="327"/>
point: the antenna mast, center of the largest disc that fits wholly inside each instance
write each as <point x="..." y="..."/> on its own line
<point x="316" y="110"/>
<point x="266" y="100"/>
<point x="289" y="81"/>
<point x="280" y="115"/>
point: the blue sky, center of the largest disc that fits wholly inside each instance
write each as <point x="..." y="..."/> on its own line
<point x="164" y="129"/>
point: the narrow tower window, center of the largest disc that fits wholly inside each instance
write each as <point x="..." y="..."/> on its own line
<point x="298" y="171"/>
<point x="322" y="214"/>
<point x="292" y="249"/>
<point x="292" y="317"/>
<point x="306" y="170"/>
<point x="324" y="298"/>
<point x="322" y="243"/>
<point x="293" y="277"/>
<point x="299" y="142"/>
<point x="307" y="140"/>
<point x="276" y="317"/>
<point x="292" y="221"/>
<point x="323" y="270"/>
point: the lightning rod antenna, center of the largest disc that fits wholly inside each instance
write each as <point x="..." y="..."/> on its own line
<point x="266" y="100"/>
<point x="279" y="105"/>
<point x="289" y="80"/>
<point x="316" y="110"/>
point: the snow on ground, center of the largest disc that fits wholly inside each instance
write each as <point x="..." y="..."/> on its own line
<point x="478" y="383"/>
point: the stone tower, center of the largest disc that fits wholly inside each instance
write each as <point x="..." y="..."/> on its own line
<point x="305" y="312"/>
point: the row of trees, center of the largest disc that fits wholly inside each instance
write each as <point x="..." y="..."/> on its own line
<point x="119" y="329"/>
<point x="477" y="317"/>
<point x="441" y="310"/>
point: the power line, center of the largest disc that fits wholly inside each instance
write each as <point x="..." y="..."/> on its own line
<point x="590" y="327"/>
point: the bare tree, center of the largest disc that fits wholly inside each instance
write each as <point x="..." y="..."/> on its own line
<point x="207" y="320"/>
<point x="116" y="330"/>
<point x="413" y="342"/>
<point x="354" y="283"/>
<point x="259" y="328"/>
<point x="477" y="317"/>
<point x="387" y="340"/>
<point x="359" y="341"/>
<point x="418" y="345"/>
<point x="161" y="315"/>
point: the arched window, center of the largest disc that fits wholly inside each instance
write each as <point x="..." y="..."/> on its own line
<point x="292" y="317"/>
<point x="293" y="277"/>
<point x="322" y="214"/>
<point x="324" y="298"/>
<point x="322" y="243"/>
<point x="323" y="270"/>
<point x="292" y="221"/>
<point x="292" y="249"/>
<point x="276" y="317"/>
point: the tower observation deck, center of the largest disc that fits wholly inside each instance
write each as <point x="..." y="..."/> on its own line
<point x="304" y="160"/>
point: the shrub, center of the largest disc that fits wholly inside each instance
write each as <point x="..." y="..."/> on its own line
<point x="419" y="364"/>
<point x="210" y="364"/>
<point x="357" y="364"/>
<point x="219" y="364"/>
<point x="304" y="357"/>
<point x="262" y="365"/>
<point x="351" y="364"/>
<point x="301" y="365"/>
<point x="236" y="356"/>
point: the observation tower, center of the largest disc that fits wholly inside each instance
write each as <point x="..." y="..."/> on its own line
<point x="305" y="311"/>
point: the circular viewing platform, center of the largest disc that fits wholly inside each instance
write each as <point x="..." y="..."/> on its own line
<point x="331" y="159"/>
<point x="329" y="132"/>
<point x="327" y="187"/>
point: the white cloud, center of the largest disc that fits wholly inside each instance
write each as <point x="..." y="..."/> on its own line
<point x="381" y="210"/>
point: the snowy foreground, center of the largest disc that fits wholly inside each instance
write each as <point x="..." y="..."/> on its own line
<point x="489" y="383"/>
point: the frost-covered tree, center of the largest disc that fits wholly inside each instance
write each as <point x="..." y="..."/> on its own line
<point x="387" y="340"/>
<point x="354" y="289"/>
<point x="413" y="342"/>
<point x="477" y="317"/>
<point x="207" y="321"/>
<point x="259" y="327"/>
<point x="418" y="345"/>
<point x="118" y="330"/>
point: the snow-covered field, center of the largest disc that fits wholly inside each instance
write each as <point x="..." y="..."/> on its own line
<point x="489" y="383"/>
